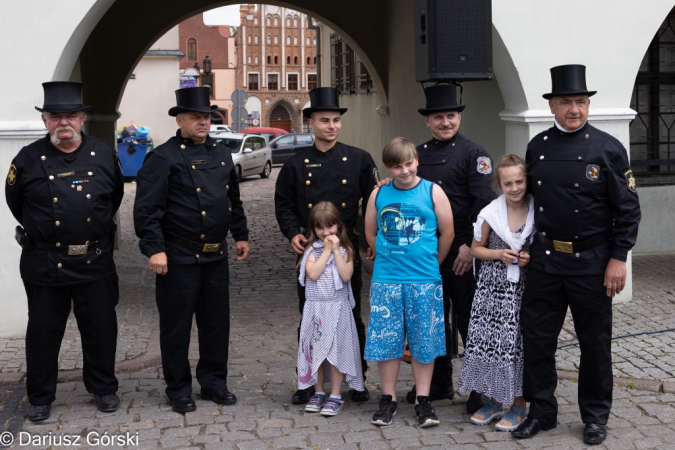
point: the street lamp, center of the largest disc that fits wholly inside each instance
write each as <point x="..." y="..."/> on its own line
<point x="207" y="65"/>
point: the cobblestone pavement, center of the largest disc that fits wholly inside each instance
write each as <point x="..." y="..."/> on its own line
<point x="262" y="370"/>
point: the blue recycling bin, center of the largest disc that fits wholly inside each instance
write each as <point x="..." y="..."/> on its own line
<point x="131" y="152"/>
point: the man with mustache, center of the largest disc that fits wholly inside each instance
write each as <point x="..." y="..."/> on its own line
<point x="462" y="168"/>
<point x="586" y="215"/>
<point x="64" y="190"/>
<point x="187" y="201"/>
<point x="326" y="171"/>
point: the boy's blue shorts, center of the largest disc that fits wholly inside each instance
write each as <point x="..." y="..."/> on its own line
<point x="397" y="310"/>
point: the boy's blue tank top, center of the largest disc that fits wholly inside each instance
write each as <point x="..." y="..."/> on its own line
<point x="407" y="245"/>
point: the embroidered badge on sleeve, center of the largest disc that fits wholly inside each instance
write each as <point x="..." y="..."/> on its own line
<point x="11" y="176"/>
<point x="484" y="165"/>
<point x="630" y="180"/>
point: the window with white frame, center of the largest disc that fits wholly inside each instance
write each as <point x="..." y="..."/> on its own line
<point x="269" y="21"/>
<point x="295" y="40"/>
<point x="292" y="81"/>
<point x="253" y="81"/>
<point x="255" y="38"/>
<point x="311" y="81"/>
<point x="276" y="39"/>
<point x="272" y="81"/>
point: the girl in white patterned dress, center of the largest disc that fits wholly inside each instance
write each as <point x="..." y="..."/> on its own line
<point x="493" y="356"/>
<point x="329" y="345"/>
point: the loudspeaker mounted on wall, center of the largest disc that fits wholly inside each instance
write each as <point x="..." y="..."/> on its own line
<point x="453" y="40"/>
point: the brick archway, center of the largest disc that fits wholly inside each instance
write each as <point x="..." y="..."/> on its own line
<point x="282" y="114"/>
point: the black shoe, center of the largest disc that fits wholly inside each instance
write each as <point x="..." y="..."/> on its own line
<point x="530" y="427"/>
<point x="435" y="394"/>
<point x="385" y="411"/>
<point x="425" y="412"/>
<point x="107" y="403"/>
<point x="302" y="396"/>
<point x="359" y="396"/>
<point x="223" y="397"/>
<point x="39" y="413"/>
<point x="183" y="404"/>
<point x="475" y="402"/>
<point x="594" y="433"/>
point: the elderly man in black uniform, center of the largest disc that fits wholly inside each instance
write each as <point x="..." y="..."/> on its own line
<point x="64" y="190"/>
<point x="187" y="200"/>
<point x="326" y="171"/>
<point x="587" y="215"/>
<point x="462" y="168"/>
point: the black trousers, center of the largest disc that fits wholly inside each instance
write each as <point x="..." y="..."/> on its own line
<point x="48" y="310"/>
<point x="357" y="284"/>
<point x="458" y="290"/>
<point x="201" y="290"/>
<point x="542" y="314"/>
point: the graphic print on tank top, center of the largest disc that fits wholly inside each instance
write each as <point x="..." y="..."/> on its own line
<point x="402" y="224"/>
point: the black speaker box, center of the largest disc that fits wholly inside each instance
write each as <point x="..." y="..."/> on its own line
<point x="453" y="40"/>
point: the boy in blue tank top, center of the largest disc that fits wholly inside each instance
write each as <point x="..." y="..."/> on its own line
<point x="409" y="224"/>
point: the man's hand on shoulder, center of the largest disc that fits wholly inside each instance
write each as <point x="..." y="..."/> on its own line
<point x="158" y="263"/>
<point x="384" y="182"/>
<point x="615" y="277"/>
<point x="298" y="244"/>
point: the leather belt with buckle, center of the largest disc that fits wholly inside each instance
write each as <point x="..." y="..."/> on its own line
<point x="572" y="247"/>
<point x="192" y="245"/>
<point x="71" y="250"/>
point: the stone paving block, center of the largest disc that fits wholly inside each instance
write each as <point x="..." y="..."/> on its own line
<point x="220" y="446"/>
<point x="297" y="441"/>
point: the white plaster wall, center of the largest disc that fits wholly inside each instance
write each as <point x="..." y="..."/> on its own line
<point x="658" y="225"/>
<point x="148" y="98"/>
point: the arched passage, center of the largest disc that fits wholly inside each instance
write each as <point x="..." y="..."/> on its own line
<point x="281" y="116"/>
<point x="112" y="33"/>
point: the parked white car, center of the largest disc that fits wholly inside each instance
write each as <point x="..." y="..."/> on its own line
<point x="250" y="154"/>
<point x="220" y="128"/>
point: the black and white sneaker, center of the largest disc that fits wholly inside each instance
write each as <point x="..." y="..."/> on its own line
<point x="425" y="412"/>
<point x="385" y="411"/>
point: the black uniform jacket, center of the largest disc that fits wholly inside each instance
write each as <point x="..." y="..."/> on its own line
<point x="583" y="187"/>
<point x="463" y="169"/>
<point x="65" y="199"/>
<point x="190" y="190"/>
<point x="343" y="175"/>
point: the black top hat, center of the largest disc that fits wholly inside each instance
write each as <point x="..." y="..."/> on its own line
<point x="63" y="96"/>
<point x="568" y="80"/>
<point x="324" y="99"/>
<point x="441" y="97"/>
<point x="193" y="99"/>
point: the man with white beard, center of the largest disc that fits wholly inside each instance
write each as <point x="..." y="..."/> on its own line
<point x="64" y="190"/>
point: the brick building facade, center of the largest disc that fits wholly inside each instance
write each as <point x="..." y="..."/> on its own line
<point x="197" y="41"/>
<point x="276" y="64"/>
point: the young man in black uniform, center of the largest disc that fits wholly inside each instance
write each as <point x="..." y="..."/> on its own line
<point x="64" y="190"/>
<point x="587" y="215"/>
<point x="462" y="168"/>
<point x="326" y="171"/>
<point x="187" y="200"/>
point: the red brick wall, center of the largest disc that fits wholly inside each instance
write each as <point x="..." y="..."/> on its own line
<point x="211" y="41"/>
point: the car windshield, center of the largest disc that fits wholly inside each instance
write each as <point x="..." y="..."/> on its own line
<point x="232" y="144"/>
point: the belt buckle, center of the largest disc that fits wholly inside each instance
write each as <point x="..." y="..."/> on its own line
<point x="211" y="248"/>
<point x="562" y="246"/>
<point x="77" y="249"/>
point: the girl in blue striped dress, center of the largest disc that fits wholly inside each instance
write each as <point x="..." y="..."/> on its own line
<point x="329" y="345"/>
